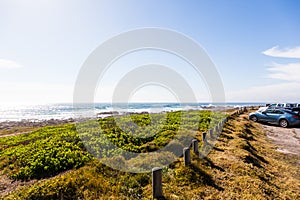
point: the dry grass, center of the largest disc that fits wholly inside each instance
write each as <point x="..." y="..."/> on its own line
<point x="243" y="165"/>
<point x="7" y="185"/>
<point x="12" y="131"/>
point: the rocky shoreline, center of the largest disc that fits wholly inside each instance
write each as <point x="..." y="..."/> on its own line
<point x="33" y="123"/>
<point x="6" y="125"/>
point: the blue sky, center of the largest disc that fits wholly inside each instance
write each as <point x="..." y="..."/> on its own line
<point x="255" y="45"/>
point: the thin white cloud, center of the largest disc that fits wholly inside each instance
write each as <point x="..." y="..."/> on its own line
<point x="283" y="92"/>
<point x="287" y="72"/>
<point x="283" y="52"/>
<point x="9" y="64"/>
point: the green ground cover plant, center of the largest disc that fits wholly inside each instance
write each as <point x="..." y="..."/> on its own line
<point x="54" y="149"/>
<point x="242" y="165"/>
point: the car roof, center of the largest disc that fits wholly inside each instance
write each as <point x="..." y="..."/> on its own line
<point x="289" y="111"/>
<point x="281" y="109"/>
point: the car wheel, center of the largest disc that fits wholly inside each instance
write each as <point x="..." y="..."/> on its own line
<point x="283" y="123"/>
<point x="254" y="118"/>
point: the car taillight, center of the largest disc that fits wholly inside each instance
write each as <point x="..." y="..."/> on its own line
<point x="296" y="116"/>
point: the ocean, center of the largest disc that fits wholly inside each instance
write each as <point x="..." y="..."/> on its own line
<point x="68" y="110"/>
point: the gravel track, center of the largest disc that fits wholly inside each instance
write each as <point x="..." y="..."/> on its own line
<point x="286" y="139"/>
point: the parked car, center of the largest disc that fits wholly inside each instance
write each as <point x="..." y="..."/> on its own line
<point x="296" y="109"/>
<point x="288" y="106"/>
<point x="272" y="105"/>
<point x="281" y="117"/>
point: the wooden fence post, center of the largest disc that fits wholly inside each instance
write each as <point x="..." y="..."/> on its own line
<point x="204" y="137"/>
<point x="186" y="156"/>
<point x="211" y="133"/>
<point x="195" y="146"/>
<point x="157" y="182"/>
<point x="220" y="127"/>
<point x="216" y="130"/>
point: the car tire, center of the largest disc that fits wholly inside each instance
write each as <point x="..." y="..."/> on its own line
<point x="283" y="123"/>
<point x="254" y="118"/>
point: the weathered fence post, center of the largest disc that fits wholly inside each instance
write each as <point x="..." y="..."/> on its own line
<point x="220" y="127"/>
<point x="216" y="130"/>
<point x="195" y="146"/>
<point x="204" y="137"/>
<point x="211" y="133"/>
<point x="186" y="156"/>
<point x="157" y="182"/>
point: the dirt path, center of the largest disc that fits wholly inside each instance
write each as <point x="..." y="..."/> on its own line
<point x="13" y="128"/>
<point x="14" y="134"/>
<point x="287" y="139"/>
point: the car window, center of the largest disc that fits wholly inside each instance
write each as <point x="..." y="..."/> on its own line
<point x="290" y="105"/>
<point x="289" y="112"/>
<point x="278" y="112"/>
<point x="269" y="110"/>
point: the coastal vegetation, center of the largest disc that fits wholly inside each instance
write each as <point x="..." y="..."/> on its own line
<point x="242" y="165"/>
<point x="50" y="150"/>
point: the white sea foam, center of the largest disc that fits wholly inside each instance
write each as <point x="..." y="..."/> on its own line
<point x="68" y="110"/>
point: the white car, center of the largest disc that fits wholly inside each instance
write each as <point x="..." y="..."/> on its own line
<point x="262" y="108"/>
